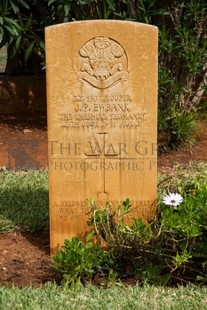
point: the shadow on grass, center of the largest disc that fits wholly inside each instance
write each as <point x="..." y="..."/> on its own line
<point x="24" y="201"/>
<point x="26" y="209"/>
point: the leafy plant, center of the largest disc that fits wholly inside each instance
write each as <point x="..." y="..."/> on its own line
<point x="125" y="243"/>
<point x="184" y="127"/>
<point x="77" y="261"/>
<point x="172" y="246"/>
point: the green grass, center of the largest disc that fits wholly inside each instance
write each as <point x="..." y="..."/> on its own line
<point x="23" y="200"/>
<point x="114" y="298"/>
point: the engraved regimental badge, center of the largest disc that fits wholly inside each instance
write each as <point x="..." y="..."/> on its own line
<point x="102" y="62"/>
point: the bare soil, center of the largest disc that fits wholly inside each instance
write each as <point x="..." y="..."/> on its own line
<point x="25" y="258"/>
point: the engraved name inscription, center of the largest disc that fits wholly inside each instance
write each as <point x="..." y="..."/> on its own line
<point x="114" y="110"/>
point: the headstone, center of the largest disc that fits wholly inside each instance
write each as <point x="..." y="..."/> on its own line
<point x="102" y="115"/>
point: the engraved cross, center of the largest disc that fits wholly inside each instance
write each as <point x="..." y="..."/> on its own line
<point x="99" y="151"/>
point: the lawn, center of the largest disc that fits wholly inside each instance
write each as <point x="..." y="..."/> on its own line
<point x="113" y="298"/>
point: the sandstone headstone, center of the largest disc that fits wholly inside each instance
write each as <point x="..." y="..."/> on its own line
<point x="102" y="115"/>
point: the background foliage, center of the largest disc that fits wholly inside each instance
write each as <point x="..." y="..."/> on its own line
<point x="182" y="48"/>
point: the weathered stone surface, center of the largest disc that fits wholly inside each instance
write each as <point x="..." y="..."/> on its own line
<point x="102" y="115"/>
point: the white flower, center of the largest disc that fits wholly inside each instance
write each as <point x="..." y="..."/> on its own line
<point x="173" y="199"/>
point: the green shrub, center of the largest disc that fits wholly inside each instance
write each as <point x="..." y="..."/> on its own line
<point x="170" y="249"/>
<point x="77" y="261"/>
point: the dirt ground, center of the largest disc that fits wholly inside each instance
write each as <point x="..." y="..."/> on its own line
<point x="25" y="257"/>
